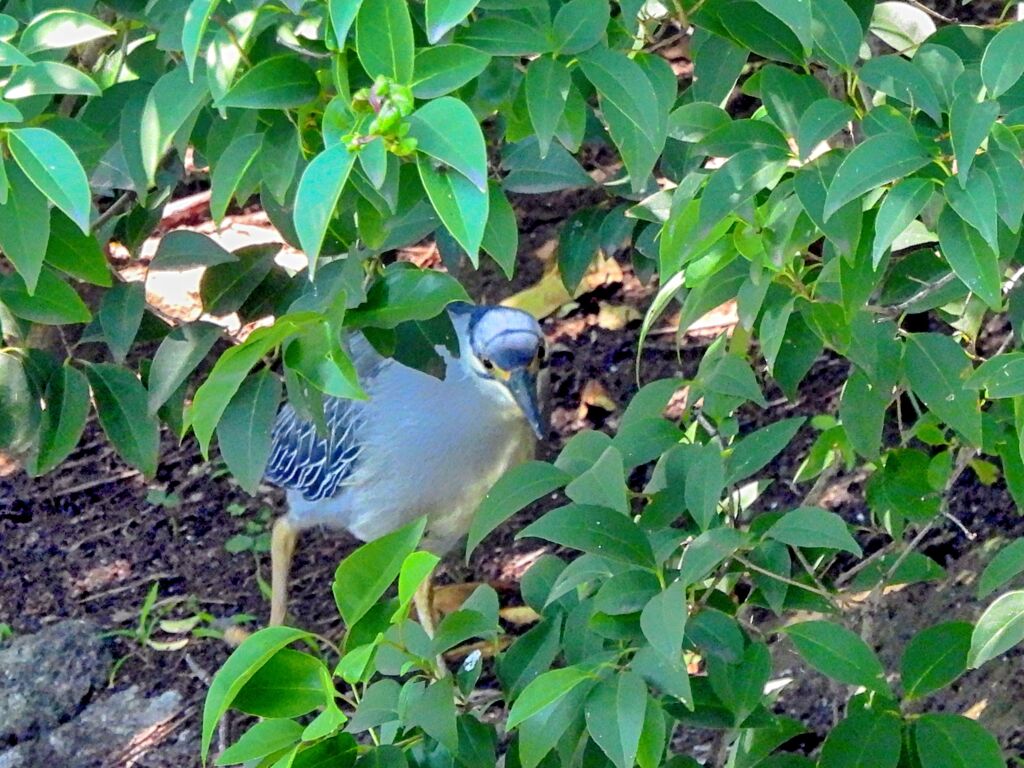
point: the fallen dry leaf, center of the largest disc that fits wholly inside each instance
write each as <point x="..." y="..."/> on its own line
<point x="594" y="394"/>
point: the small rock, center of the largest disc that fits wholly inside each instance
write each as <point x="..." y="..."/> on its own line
<point x="46" y="678"/>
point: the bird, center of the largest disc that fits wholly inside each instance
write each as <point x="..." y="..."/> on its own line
<point x="418" y="445"/>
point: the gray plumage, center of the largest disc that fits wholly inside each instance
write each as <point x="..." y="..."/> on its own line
<point x="419" y="445"/>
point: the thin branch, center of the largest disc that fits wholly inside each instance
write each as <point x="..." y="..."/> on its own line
<point x="785" y="579"/>
<point x="116" y="208"/>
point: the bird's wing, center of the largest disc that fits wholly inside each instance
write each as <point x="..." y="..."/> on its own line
<point x="313" y="464"/>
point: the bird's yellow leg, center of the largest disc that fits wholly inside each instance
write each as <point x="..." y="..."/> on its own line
<point x="423" y="599"/>
<point x="283" y="539"/>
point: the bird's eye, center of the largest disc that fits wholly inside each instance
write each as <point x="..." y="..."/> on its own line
<point x="488" y="365"/>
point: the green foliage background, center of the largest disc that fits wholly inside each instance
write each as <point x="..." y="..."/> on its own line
<point x="367" y="125"/>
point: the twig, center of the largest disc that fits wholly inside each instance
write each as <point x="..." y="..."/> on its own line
<point x="925" y="291"/>
<point x="115" y="208"/>
<point x="785" y="579"/>
<point x="124" y="475"/>
<point x="871" y="604"/>
<point x="932" y="12"/>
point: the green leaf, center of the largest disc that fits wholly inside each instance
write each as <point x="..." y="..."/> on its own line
<point x="936" y="367"/>
<point x="178" y="355"/>
<point x="603" y="484"/>
<point x="197" y="17"/>
<point x="517" y="488"/>
<point x="10" y="113"/>
<point x="121" y="315"/>
<point x="758" y="448"/>
<point x="290" y="684"/>
<point x="280" y="82"/>
<point x="546" y="690"/>
<point x="663" y="620"/>
<point x="231" y="369"/>
<point x="705" y="482"/>
<point x="459" y="203"/>
<point x="501" y="235"/>
<point x="877" y="161"/>
<point x="597" y="530"/>
<point x="814" y="527"/>
<point x="935" y="657"/>
<point x="579" y="25"/>
<point x="434" y="712"/>
<point x="184" y="249"/>
<point x="55" y="170"/>
<point x="742" y="177"/>
<point x="692" y="122"/>
<point x="531" y="175"/>
<point x="441" y="69"/>
<point x="74" y="253"/>
<point x="61" y="29"/>
<point x="444" y="15"/>
<point x="1002" y="64"/>
<point x="224" y="288"/>
<point x="384" y="40"/>
<point x="969" y="124"/>
<point x="25" y="229"/>
<point x="362" y="577"/>
<point x="241" y="665"/>
<point x="231" y="168"/>
<point x="578" y="244"/>
<point x="501" y="36"/>
<point x="741" y="686"/>
<point x="630" y="107"/>
<point x="864" y="739"/>
<point x="1007" y="175"/>
<point x="319" y="190"/>
<point x="999" y="629"/>
<point x="976" y="204"/>
<point x="263" y="738"/>
<point x="615" y="710"/>
<point x="895" y="76"/>
<point x="170" y="104"/>
<point x="788" y="95"/>
<point x="1006" y="565"/>
<point x="954" y="741"/>
<point x="838" y="653"/>
<point x="702" y="555"/>
<point x="54" y="302"/>
<point x="836" y="31"/>
<point x="343" y="13"/>
<point x="406" y="293"/>
<point x="902" y="205"/>
<point x="971" y="258"/>
<point x="743" y="134"/>
<point x="446" y="130"/>
<point x="12" y="57"/>
<point x="244" y="431"/>
<point x="121" y="405"/>
<point x="547" y="88"/>
<point x="63" y="419"/>
<point x="44" y="78"/>
<point x="795" y="14"/>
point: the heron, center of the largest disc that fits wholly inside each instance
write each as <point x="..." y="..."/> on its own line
<point x="419" y="445"/>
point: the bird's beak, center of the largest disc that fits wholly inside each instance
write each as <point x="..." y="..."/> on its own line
<point x="523" y="386"/>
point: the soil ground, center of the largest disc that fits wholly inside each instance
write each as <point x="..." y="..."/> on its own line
<point x="93" y="537"/>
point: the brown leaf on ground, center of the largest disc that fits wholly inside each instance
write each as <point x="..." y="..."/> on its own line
<point x="595" y="395"/>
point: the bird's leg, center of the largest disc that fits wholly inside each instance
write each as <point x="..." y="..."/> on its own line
<point x="423" y="599"/>
<point x="283" y="538"/>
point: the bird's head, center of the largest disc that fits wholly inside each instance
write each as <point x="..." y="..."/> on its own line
<point x="505" y="349"/>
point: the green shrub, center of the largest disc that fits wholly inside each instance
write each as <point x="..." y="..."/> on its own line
<point x="367" y="125"/>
